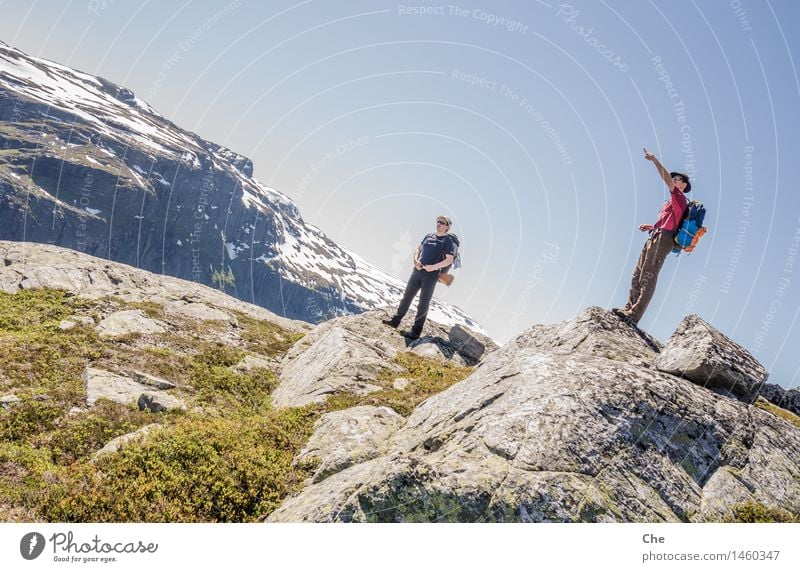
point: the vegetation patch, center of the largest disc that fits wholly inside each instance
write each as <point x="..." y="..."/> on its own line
<point x="208" y="469"/>
<point x="426" y="377"/>
<point x="757" y="512"/>
<point x="762" y="403"/>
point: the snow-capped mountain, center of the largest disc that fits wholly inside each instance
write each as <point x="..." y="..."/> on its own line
<point x="87" y="165"/>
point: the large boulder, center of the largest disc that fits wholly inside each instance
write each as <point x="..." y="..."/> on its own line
<point x="538" y="433"/>
<point x="703" y="355"/>
<point x="347" y="355"/>
<point x="347" y="437"/>
<point x="128" y="322"/>
<point x="597" y="332"/>
<point x="102" y="384"/>
<point x="788" y="399"/>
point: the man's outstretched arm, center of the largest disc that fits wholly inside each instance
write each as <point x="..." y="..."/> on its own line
<point x="661" y="170"/>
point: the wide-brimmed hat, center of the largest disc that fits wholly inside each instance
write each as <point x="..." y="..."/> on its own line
<point x="688" y="188"/>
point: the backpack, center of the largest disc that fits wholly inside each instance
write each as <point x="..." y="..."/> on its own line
<point x="691" y="228"/>
<point x="444" y="277"/>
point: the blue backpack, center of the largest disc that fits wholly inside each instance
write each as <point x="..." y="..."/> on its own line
<point x="691" y="228"/>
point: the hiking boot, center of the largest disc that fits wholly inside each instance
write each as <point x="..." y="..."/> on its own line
<point x="392" y="323"/>
<point x="411" y="335"/>
<point x="625" y="315"/>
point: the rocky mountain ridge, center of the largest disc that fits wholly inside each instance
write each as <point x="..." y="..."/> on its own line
<point x="87" y="165"/>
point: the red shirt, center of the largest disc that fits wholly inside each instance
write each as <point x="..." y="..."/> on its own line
<point x="672" y="212"/>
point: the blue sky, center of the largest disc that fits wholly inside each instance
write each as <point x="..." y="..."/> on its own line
<point x="524" y="121"/>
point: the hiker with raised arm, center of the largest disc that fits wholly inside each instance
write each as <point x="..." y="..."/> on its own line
<point x="658" y="245"/>
<point x="435" y="253"/>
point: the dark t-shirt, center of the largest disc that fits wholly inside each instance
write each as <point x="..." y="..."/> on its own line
<point x="434" y="248"/>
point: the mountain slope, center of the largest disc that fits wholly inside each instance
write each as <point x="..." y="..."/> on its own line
<point x="87" y="165"/>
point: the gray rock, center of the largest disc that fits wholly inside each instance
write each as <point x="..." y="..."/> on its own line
<point x="8" y="401"/>
<point x="32" y="265"/>
<point x="118" y="443"/>
<point x="252" y="361"/>
<point x="701" y="354"/>
<point x="596" y="332"/>
<point x="100" y="383"/>
<point x="151" y="380"/>
<point x="74" y="321"/>
<point x="540" y="434"/>
<point x="201" y="312"/>
<point x="787" y="399"/>
<point x="128" y="322"/>
<point x="159" y="402"/>
<point x="400" y="383"/>
<point x="347" y="354"/>
<point x="466" y="343"/>
<point x="345" y="438"/>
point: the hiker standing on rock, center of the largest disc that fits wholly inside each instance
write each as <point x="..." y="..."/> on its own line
<point x="436" y="251"/>
<point x="658" y="246"/>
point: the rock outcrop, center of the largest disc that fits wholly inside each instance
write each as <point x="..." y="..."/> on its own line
<point x="349" y="437"/>
<point x="27" y="265"/>
<point x="568" y="423"/>
<point x="347" y="354"/>
<point x="119" y="442"/>
<point x="101" y="384"/>
<point x="703" y="355"/>
<point x="788" y="399"/>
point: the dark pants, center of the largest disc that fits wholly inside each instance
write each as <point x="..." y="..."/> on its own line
<point x="419" y="281"/>
<point x="645" y="276"/>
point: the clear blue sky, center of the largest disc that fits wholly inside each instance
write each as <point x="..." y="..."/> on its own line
<point x="524" y="121"/>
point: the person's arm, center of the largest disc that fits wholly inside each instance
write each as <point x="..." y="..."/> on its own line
<point x="448" y="260"/>
<point x="661" y="170"/>
<point x="417" y="253"/>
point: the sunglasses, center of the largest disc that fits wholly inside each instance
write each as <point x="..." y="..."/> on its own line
<point x="678" y="179"/>
<point x="441" y="222"/>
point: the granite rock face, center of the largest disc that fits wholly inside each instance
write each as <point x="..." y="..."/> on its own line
<point x="705" y="356"/>
<point x="788" y="399"/>
<point x="347" y="437"/>
<point x="563" y="425"/>
<point x="347" y="354"/>
<point x="102" y="384"/>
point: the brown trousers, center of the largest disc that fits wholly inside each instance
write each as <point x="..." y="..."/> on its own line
<point x="643" y="283"/>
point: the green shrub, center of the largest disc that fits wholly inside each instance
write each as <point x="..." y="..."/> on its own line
<point x="199" y="470"/>
<point x="751" y="512"/>
<point x="79" y="436"/>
